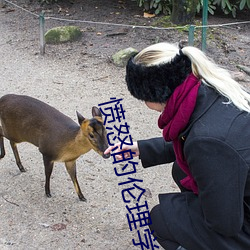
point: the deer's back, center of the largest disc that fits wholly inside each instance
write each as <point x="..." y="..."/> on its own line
<point x="24" y="118"/>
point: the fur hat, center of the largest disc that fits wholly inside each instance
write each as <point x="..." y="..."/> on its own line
<point x="156" y="83"/>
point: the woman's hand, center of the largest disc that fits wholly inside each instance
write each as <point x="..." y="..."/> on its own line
<point x="134" y="148"/>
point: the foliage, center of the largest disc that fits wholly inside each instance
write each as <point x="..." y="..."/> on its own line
<point x="244" y="4"/>
<point x="232" y="6"/>
<point x="226" y="6"/>
<point x="211" y="7"/>
<point x="157" y="6"/>
<point x="165" y="6"/>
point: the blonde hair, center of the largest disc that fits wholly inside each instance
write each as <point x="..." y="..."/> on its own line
<point x="202" y="67"/>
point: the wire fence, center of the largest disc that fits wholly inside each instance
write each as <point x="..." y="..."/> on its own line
<point x="191" y="28"/>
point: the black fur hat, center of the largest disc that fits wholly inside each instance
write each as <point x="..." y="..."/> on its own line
<point x="156" y="83"/>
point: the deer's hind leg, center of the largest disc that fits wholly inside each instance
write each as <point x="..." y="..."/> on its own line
<point x="1" y="144"/>
<point x="16" y="154"/>
<point x="71" y="168"/>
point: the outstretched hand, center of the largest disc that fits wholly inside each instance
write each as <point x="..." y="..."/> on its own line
<point x="134" y="148"/>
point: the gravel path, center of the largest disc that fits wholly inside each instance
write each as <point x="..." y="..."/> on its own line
<point x="69" y="79"/>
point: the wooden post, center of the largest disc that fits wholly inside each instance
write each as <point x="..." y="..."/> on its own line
<point x="204" y="24"/>
<point x="191" y="35"/>
<point x="42" y="31"/>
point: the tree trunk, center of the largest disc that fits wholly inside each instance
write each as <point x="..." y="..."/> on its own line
<point x="183" y="11"/>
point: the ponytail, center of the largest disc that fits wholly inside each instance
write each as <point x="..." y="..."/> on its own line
<point x="218" y="78"/>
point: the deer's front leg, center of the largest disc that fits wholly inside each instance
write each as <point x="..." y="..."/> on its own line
<point x="48" y="165"/>
<point x="71" y="168"/>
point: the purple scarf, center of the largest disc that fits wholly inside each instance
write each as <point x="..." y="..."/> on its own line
<point x="174" y="119"/>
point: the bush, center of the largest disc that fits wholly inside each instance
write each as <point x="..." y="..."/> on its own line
<point x="156" y="6"/>
<point x="165" y="6"/>
<point x="232" y="6"/>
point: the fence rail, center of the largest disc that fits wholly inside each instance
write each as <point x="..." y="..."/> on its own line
<point x="191" y="28"/>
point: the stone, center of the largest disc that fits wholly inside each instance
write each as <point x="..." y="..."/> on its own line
<point x="239" y="76"/>
<point x="244" y="68"/>
<point x="63" y="34"/>
<point x="2" y="3"/>
<point x="121" y="58"/>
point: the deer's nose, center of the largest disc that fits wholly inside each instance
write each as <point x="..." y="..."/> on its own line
<point x="106" y="156"/>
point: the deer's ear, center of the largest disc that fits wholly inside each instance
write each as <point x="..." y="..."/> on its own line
<point x="96" y="112"/>
<point x="80" y="118"/>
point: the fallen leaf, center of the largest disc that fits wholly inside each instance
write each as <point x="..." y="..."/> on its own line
<point x="147" y="193"/>
<point x="58" y="227"/>
<point x="147" y="15"/>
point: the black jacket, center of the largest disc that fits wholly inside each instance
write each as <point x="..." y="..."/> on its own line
<point x="216" y="145"/>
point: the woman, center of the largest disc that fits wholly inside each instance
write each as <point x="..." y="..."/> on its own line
<point x="205" y="118"/>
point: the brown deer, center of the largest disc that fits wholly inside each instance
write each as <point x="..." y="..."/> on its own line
<point x="59" y="138"/>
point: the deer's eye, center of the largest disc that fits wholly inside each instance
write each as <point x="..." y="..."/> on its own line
<point x="91" y="136"/>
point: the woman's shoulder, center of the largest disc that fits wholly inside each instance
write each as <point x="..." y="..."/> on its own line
<point x="215" y="117"/>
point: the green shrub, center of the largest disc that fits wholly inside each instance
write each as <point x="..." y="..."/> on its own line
<point x="157" y="6"/>
<point x="165" y="6"/>
<point x="211" y="7"/>
<point x="232" y="6"/>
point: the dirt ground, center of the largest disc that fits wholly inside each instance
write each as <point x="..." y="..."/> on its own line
<point x="77" y="76"/>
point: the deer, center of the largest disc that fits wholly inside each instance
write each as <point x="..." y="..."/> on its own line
<point x="58" y="138"/>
